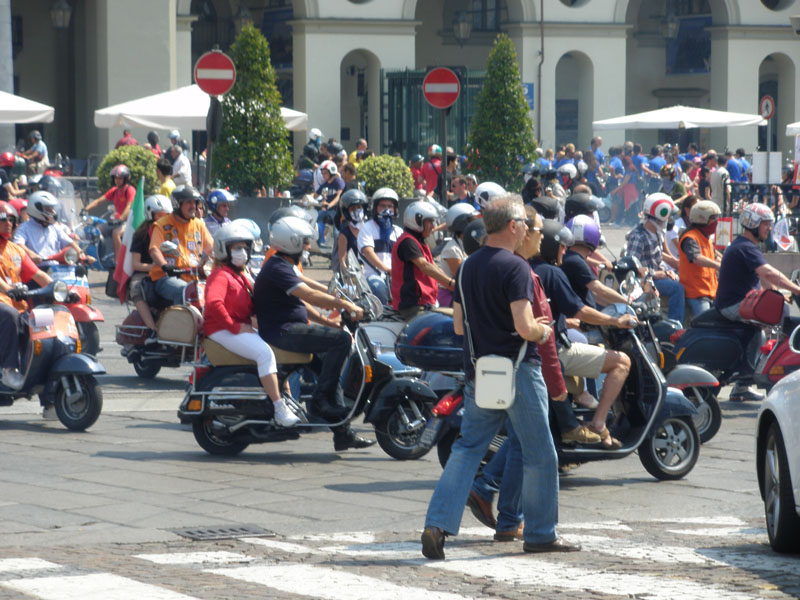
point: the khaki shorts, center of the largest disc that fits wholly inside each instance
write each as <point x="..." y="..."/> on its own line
<point x="583" y="360"/>
<point x="135" y="291"/>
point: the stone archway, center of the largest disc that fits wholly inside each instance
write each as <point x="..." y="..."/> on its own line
<point x="574" y="98"/>
<point x="776" y="77"/>
<point x="359" y="73"/>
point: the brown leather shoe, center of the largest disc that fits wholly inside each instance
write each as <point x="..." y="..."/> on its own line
<point x="481" y="509"/>
<point x="511" y="535"/>
<point x="433" y="543"/>
<point x="557" y="545"/>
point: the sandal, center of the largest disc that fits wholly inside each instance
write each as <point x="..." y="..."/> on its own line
<point x="582" y="435"/>
<point x="605" y="434"/>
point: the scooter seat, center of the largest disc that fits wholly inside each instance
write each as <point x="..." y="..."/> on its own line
<point x="713" y="319"/>
<point x="287" y="357"/>
<point x="219" y="356"/>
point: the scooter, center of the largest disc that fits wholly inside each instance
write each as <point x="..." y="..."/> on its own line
<point x="86" y="316"/>
<point x="52" y="365"/>
<point x="776" y="359"/>
<point x="648" y="417"/>
<point x="229" y="410"/>
<point x="92" y="241"/>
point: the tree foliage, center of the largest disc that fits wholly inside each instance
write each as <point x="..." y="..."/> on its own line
<point x="141" y="162"/>
<point x="501" y="135"/>
<point x="253" y="149"/>
<point x="386" y="171"/>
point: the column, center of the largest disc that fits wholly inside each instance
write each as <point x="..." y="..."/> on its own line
<point x="7" y="137"/>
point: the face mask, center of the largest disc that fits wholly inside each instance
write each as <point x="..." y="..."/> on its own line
<point x="238" y="257"/>
<point x="709" y="228"/>
<point x="357" y="215"/>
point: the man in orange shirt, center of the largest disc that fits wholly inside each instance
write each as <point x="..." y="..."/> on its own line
<point x="16" y="269"/>
<point x="189" y="233"/>
<point x="698" y="264"/>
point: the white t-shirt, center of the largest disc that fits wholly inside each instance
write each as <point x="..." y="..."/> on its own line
<point x="182" y="170"/>
<point x="720" y="181"/>
<point x="452" y="249"/>
<point x="368" y="233"/>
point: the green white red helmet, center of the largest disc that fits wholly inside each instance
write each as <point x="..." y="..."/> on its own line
<point x="659" y="206"/>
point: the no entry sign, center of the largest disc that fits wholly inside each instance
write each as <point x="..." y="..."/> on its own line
<point x="214" y="73"/>
<point x="441" y="87"/>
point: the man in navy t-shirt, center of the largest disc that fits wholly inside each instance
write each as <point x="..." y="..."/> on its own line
<point x="498" y="301"/>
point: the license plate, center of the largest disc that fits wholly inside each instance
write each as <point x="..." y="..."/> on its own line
<point x="429" y="435"/>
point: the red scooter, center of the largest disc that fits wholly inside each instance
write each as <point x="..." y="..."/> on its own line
<point x="777" y="359"/>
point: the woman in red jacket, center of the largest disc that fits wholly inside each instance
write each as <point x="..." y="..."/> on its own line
<point x="229" y="308"/>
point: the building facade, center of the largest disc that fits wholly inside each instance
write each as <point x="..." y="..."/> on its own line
<point x="581" y="60"/>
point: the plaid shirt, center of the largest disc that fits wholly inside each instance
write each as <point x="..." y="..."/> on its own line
<point x="645" y="246"/>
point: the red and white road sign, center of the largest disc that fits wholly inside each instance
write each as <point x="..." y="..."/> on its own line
<point x="215" y="73"/>
<point x="441" y="87"/>
<point x="766" y="107"/>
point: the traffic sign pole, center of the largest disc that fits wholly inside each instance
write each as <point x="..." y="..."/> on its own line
<point x="766" y="108"/>
<point x="441" y="88"/>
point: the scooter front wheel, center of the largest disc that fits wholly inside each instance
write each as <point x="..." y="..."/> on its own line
<point x="78" y="401"/>
<point x="671" y="451"/>
<point x="146" y="369"/>
<point x="394" y="436"/>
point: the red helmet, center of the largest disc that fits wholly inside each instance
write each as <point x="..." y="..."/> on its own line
<point x="6" y="210"/>
<point x="7" y="159"/>
<point x="19" y="204"/>
<point x="121" y="171"/>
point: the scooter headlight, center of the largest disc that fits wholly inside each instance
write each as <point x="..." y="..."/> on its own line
<point x="60" y="291"/>
<point x="71" y="256"/>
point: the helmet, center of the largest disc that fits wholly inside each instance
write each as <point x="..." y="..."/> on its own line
<point x="184" y="193"/>
<point x="42" y="207"/>
<point x="315" y="134"/>
<point x="582" y="167"/>
<point x="253" y="228"/>
<point x="174" y="134"/>
<point x="474" y="235"/>
<point x="152" y="138"/>
<point x="19" y="204"/>
<point x="155" y="204"/>
<point x="554" y="234"/>
<point x="668" y="170"/>
<point x="384" y="193"/>
<point x="434" y="149"/>
<point x="486" y="191"/>
<point x="568" y="170"/>
<point x="659" y="206"/>
<point x="626" y="264"/>
<point x="334" y="148"/>
<point x="459" y="215"/>
<point x="353" y="197"/>
<point x="530" y="170"/>
<point x="581" y="204"/>
<point x="753" y="214"/>
<point x="549" y="173"/>
<point x="703" y="212"/>
<point x="121" y="171"/>
<point x="417" y="158"/>
<point x="584" y="231"/>
<point x="7" y="159"/>
<point x="417" y="213"/>
<point x="285" y="211"/>
<point x="228" y="234"/>
<point x="288" y="234"/>
<point x="47" y="183"/>
<point x="546" y="206"/>
<point x="329" y="166"/>
<point x="217" y="196"/>
<point x="35" y="134"/>
<point x="8" y="209"/>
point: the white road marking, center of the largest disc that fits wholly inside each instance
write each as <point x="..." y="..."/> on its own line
<point x="731" y="521"/>
<point x="282" y="546"/>
<point x="441" y="88"/>
<point x="355" y="537"/>
<point x="753" y="532"/>
<point x="395" y="550"/>
<point x="528" y="571"/>
<point x="605" y="525"/>
<point x="99" y="586"/>
<point x="15" y="565"/>
<point x="196" y="558"/>
<point x="328" y="584"/>
<point x="618" y="547"/>
<point x="214" y="74"/>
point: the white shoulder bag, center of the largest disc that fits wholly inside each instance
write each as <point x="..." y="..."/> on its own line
<point x="495" y="375"/>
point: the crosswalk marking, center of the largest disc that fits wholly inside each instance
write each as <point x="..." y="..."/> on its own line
<point x="98" y="586"/>
<point x="754" y="532"/>
<point x="623" y="549"/>
<point x="16" y="565"/>
<point x="196" y="558"/>
<point x="329" y="584"/>
<point x="282" y="546"/>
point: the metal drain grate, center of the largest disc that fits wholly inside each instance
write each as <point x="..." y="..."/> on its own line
<point x="223" y="532"/>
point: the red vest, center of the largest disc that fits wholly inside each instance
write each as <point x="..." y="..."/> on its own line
<point x="410" y="286"/>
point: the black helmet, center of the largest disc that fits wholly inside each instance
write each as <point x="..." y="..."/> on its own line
<point x="553" y="235"/>
<point x="152" y="138"/>
<point x="352" y="198"/>
<point x="546" y="206"/>
<point x="474" y="234"/>
<point x="626" y="264"/>
<point x="549" y="173"/>
<point x="581" y="204"/>
<point x="184" y="193"/>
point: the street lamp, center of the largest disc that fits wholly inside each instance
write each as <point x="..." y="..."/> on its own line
<point x="462" y="27"/>
<point x="243" y="17"/>
<point x="670" y="24"/>
<point x="60" y="14"/>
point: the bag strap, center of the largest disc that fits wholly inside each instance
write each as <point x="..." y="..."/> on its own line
<point x="522" y="348"/>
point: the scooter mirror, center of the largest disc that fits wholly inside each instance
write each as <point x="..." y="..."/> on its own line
<point x="60" y="291"/>
<point x="169" y="248"/>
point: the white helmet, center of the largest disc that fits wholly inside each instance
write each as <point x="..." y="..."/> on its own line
<point x="459" y="215"/>
<point x="42" y="207"/>
<point x="174" y="135"/>
<point x="702" y="212"/>
<point x="315" y="134"/>
<point x="751" y="217"/>
<point x="568" y="170"/>
<point x="288" y="234"/>
<point x="329" y="166"/>
<point x="486" y="191"/>
<point x="417" y="213"/>
<point x="253" y="227"/>
<point x="227" y="235"/>
<point x="154" y="204"/>
<point x="659" y="206"/>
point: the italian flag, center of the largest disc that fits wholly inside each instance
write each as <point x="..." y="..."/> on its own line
<point x="124" y="269"/>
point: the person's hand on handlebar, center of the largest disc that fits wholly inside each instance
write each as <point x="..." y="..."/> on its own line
<point x="18" y="292"/>
<point x="73" y="298"/>
<point x="356" y="312"/>
<point x="626" y="321"/>
<point x="169" y="270"/>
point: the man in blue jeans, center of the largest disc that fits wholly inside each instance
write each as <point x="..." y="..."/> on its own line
<point x="497" y="297"/>
<point x="646" y="242"/>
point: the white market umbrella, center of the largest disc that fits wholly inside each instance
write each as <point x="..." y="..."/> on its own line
<point x="16" y="109"/>
<point x="676" y="117"/>
<point x="793" y="128"/>
<point x="183" y="108"/>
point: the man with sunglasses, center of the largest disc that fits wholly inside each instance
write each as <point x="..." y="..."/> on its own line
<point x="461" y="193"/>
<point x="16" y="269"/>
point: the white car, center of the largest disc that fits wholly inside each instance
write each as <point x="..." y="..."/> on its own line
<point x="778" y="458"/>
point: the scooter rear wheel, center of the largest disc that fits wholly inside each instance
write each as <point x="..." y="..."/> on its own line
<point x="671" y="451"/>
<point x="146" y="369"/>
<point x="708" y="419"/>
<point x="395" y="439"/>
<point x="214" y="442"/>
<point x="79" y="405"/>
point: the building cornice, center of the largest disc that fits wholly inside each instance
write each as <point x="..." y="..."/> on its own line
<point x="752" y="32"/>
<point x="356" y="26"/>
<point x="567" y="29"/>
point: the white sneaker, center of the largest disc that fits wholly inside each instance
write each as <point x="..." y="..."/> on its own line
<point x="283" y="416"/>
<point x="49" y="413"/>
<point x="13" y="379"/>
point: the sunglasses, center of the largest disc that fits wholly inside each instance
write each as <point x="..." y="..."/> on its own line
<point x="7" y="217"/>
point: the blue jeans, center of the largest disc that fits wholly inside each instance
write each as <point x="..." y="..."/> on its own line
<point x="325" y="216"/>
<point x="538" y="486"/>
<point x="171" y="288"/>
<point x="699" y="305"/>
<point x="674" y="291"/>
<point x="378" y="286"/>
